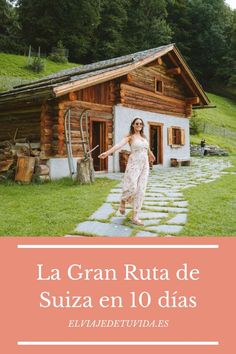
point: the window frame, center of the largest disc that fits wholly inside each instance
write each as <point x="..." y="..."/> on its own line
<point x="160" y="84"/>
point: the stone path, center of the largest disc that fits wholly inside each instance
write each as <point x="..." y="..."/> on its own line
<point x="164" y="209"/>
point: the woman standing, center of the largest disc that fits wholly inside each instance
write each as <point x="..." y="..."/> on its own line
<point x="137" y="169"/>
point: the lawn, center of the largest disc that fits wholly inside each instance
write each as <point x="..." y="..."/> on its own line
<point x="223" y="116"/>
<point x="49" y="209"/>
<point x="212" y="207"/>
<point x="13" y="70"/>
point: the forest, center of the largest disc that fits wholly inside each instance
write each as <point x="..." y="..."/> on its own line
<point x="93" y="30"/>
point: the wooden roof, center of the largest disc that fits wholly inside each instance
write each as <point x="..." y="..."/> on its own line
<point x="77" y="78"/>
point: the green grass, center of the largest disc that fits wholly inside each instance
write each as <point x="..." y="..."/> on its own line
<point x="226" y="143"/>
<point x="13" y="70"/>
<point x="224" y="116"/>
<point x="212" y="207"/>
<point x="221" y="116"/>
<point x="49" y="209"/>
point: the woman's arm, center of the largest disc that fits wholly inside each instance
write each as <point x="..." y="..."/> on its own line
<point x="114" y="148"/>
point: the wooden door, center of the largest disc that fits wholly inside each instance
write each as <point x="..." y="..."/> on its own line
<point x="99" y="134"/>
<point x="156" y="142"/>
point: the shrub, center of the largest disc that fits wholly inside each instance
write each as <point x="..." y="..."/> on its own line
<point x="196" y="124"/>
<point x="59" y="53"/>
<point x="37" y="65"/>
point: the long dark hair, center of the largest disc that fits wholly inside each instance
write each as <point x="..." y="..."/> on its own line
<point x="131" y="129"/>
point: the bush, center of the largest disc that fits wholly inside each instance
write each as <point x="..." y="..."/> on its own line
<point x="10" y="44"/>
<point x="37" y="65"/>
<point x="196" y="124"/>
<point x="59" y="53"/>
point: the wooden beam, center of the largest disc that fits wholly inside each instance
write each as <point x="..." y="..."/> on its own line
<point x="193" y="100"/>
<point x="105" y="76"/>
<point x="174" y="71"/>
<point x="153" y="94"/>
<point x="87" y="105"/>
<point x="195" y="81"/>
<point x="159" y="61"/>
<point x="72" y="96"/>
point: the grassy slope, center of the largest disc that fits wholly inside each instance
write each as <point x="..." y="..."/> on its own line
<point x="13" y="71"/>
<point x="224" y="115"/>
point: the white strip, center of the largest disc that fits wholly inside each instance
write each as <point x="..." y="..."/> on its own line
<point x="118" y="343"/>
<point x="116" y="246"/>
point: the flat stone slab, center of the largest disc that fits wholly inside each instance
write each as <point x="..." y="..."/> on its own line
<point x="168" y="198"/>
<point x="117" y="220"/>
<point x="114" y="197"/>
<point x="166" y="209"/>
<point x="152" y="196"/>
<point x="156" y="203"/>
<point x="103" y="212"/>
<point x="168" y="229"/>
<point x="151" y="215"/>
<point x="170" y="194"/>
<point x="151" y="222"/>
<point x="180" y="204"/>
<point x="116" y="190"/>
<point x="146" y="234"/>
<point x="178" y="219"/>
<point x="103" y="229"/>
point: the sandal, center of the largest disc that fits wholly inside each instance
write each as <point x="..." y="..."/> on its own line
<point x="137" y="222"/>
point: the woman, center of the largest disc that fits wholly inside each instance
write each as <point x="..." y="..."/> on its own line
<point x="137" y="169"/>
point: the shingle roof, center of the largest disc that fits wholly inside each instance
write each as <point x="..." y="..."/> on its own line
<point x="81" y="72"/>
<point x="82" y="76"/>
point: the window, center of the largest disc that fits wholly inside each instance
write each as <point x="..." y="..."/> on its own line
<point x="159" y="86"/>
<point x="176" y="136"/>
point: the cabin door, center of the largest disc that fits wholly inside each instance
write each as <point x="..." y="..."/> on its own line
<point x="156" y="142"/>
<point x="98" y="137"/>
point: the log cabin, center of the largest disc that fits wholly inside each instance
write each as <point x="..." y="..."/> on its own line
<point x="156" y="85"/>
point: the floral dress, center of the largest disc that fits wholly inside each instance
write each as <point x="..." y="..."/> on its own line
<point x="136" y="174"/>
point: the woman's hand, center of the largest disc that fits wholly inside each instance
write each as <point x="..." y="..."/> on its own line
<point x="151" y="157"/>
<point x="103" y="155"/>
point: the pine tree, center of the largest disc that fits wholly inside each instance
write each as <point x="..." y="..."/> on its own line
<point x="146" y="26"/>
<point x="9" y="28"/>
<point x="210" y="22"/>
<point x="108" y="40"/>
<point x="45" y="22"/>
<point x="180" y="24"/>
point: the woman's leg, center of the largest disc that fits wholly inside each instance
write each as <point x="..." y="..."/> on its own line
<point x="130" y="182"/>
<point x="140" y="191"/>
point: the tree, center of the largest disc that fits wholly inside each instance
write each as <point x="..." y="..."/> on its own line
<point x="226" y="72"/>
<point x="44" y="23"/>
<point x="180" y="24"/>
<point x="210" y="22"/>
<point x="9" y="28"/>
<point x="109" y="39"/>
<point x="146" y="26"/>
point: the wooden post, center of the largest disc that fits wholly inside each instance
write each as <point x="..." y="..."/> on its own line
<point x="25" y="169"/>
<point x="85" y="171"/>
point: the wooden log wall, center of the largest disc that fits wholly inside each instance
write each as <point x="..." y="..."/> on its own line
<point x="139" y="91"/>
<point x="105" y="93"/>
<point x="25" y="119"/>
<point x="46" y="126"/>
<point x="96" y="112"/>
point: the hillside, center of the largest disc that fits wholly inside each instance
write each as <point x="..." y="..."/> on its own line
<point x="13" y="70"/>
<point x="219" y="121"/>
<point x="218" y="124"/>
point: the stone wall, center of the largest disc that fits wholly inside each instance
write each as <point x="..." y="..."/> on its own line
<point x="213" y="150"/>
